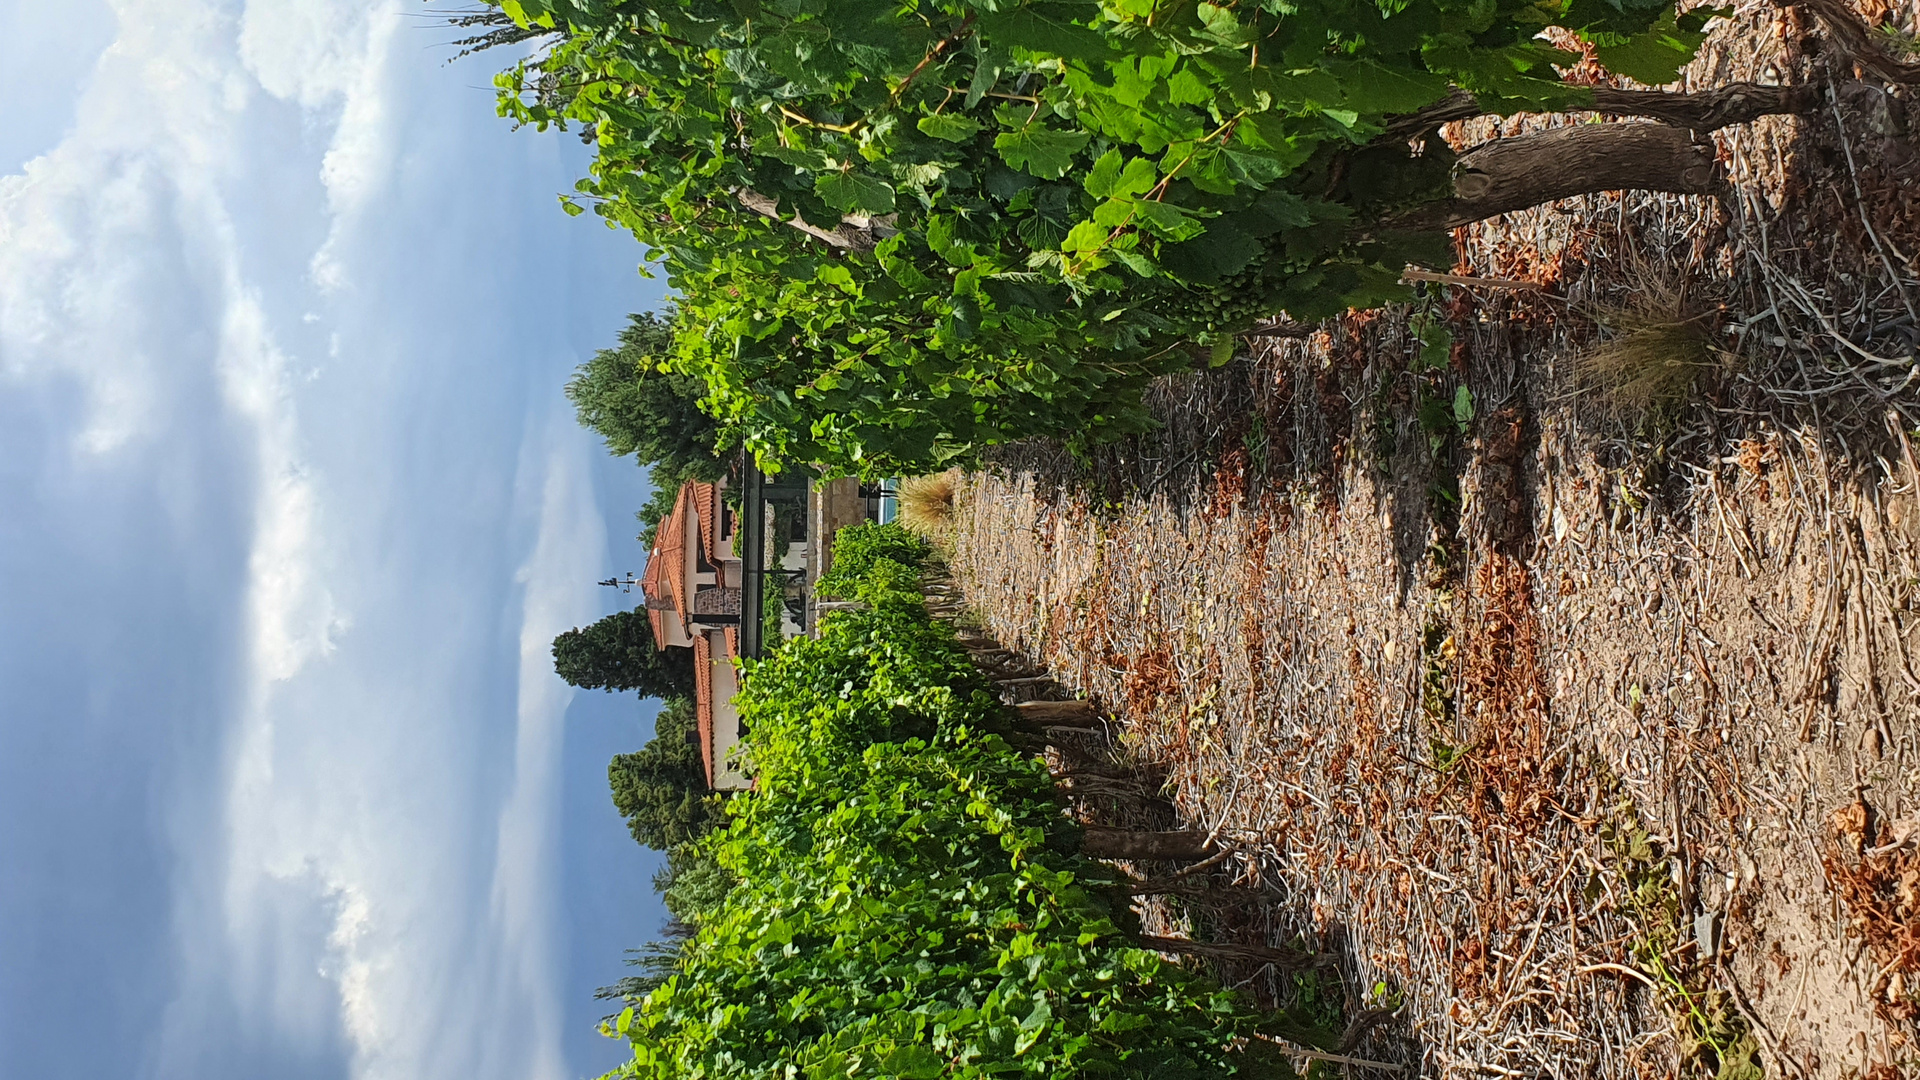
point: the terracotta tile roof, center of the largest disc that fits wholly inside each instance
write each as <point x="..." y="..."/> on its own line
<point x="664" y="579"/>
<point x="733" y="643"/>
<point x="703" y="700"/>
<point x="706" y="504"/>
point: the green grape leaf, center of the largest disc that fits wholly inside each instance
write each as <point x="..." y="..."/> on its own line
<point x="919" y="175"/>
<point x="1109" y="179"/>
<point x="1135" y="80"/>
<point x="1463" y="408"/>
<point x="1045" y="29"/>
<point x="1246" y="167"/>
<point x="1436" y="343"/>
<point x="1116" y="212"/>
<point x="1274" y="211"/>
<point x="1188" y="87"/>
<point x="1167" y="220"/>
<point x="1104" y="175"/>
<point x="1039" y="233"/>
<point x="800" y="157"/>
<point x="949" y="127"/>
<point x="986" y="74"/>
<point x="1378" y="90"/>
<point x="1086" y="236"/>
<point x="1346" y="118"/>
<point x="1221" y="250"/>
<point x="1279" y="135"/>
<point x="1135" y="261"/>
<point x="1045" y="152"/>
<point x="852" y="192"/>
<point x="528" y="12"/>
<point x="1656" y="56"/>
<point x="913" y="1062"/>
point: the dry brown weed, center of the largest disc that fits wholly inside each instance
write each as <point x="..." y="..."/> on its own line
<point x="1656" y="343"/>
<point x="1874" y="868"/>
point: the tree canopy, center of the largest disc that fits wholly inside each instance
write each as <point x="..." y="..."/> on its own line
<point x="618" y="653"/>
<point x="901" y="231"/>
<point x="661" y="789"/>
<point x="643" y="411"/>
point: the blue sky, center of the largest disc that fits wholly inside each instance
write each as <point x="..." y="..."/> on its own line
<point x="291" y="506"/>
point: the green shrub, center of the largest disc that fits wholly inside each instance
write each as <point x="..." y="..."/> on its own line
<point x="903" y="231"/>
<point x="857" y="548"/>
<point x="907" y="898"/>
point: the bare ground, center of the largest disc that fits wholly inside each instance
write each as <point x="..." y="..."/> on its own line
<point x="1587" y="739"/>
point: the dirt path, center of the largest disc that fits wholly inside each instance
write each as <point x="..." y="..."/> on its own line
<point x="1547" y="721"/>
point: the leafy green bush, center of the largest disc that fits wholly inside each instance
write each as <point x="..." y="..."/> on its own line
<point x="907" y="898"/>
<point x="856" y="550"/>
<point x="904" y="229"/>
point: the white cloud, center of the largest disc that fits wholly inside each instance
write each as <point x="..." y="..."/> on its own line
<point x="348" y="902"/>
<point x="312" y="51"/>
<point x="331" y="54"/>
<point x="124" y="274"/>
<point x="570" y="539"/>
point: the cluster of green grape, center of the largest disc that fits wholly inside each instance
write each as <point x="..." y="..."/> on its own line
<point x="1241" y="298"/>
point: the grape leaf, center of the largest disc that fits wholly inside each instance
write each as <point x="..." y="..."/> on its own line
<point x="1046" y="29"/>
<point x="949" y="127"/>
<point x="850" y="191"/>
<point x="1187" y="87"/>
<point x="1224" y="249"/>
<point x="1656" y="56"/>
<point x="1104" y="174"/>
<point x="1135" y="262"/>
<point x="1110" y="179"/>
<point x="1168" y="220"/>
<point x="528" y="12"/>
<point x="800" y="157"/>
<point x="914" y="1062"/>
<point x="1045" y="152"/>
<point x="1086" y="236"/>
<point x="1379" y="90"/>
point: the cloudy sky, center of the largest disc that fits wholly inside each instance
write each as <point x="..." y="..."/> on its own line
<point x="290" y="508"/>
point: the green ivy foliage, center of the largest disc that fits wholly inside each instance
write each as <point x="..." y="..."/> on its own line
<point x="907" y="899"/>
<point x="856" y="548"/>
<point x="1070" y="191"/>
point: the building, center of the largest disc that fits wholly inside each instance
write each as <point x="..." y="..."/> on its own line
<point x="698" y="587"/>
<point x="693" y="585"/>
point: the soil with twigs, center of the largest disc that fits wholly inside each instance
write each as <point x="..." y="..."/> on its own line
<point x="1585" y="736"/>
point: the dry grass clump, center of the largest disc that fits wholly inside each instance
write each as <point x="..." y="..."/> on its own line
<point x="926" y="503"/>
<point x="1654" y="345"/>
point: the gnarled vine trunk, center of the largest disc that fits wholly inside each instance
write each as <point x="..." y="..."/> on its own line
<point x="1505" y="175"/>
<point x="1286" y="959"/>
<point x="854" y="233"/>
<point x="1178" y="845"/>
<point x="1043" y="716"/>
<point x="1709" y="110"/>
